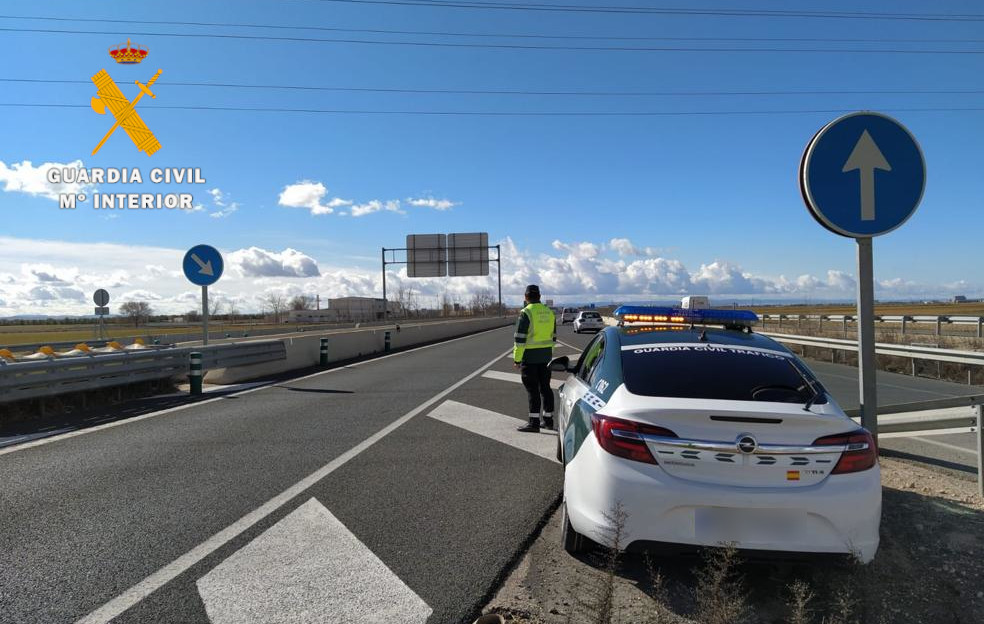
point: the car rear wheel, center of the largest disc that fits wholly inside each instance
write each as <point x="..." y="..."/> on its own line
<point x="574" y="542"/>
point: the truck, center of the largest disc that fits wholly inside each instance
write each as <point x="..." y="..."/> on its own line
<point x="694" y="302"/>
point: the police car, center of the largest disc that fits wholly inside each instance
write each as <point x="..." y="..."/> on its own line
<point x="705" y="433"/>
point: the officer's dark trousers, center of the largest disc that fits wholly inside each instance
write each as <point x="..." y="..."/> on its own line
<point x="536" y="379"/>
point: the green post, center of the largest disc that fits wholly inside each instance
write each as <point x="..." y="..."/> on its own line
<point x="195" y="373"/>
<point x="386" y="341"/>
<point x="324" y="352"/>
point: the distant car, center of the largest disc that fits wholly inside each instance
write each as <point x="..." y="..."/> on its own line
<point x="568" y="315"/>
<point x="586" y="321"/>
<point x="706" y="435"/>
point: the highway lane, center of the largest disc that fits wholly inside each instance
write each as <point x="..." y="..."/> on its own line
<point x="154" y="517"/>
<point x="189" y="516"/>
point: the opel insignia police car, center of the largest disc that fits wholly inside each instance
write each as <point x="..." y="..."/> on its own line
<point x="706" y="435"/>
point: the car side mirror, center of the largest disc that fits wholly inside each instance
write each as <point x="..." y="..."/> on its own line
<point x="561" y="364"/>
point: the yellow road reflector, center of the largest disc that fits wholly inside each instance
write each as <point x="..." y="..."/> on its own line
<point x="792" y="475"/>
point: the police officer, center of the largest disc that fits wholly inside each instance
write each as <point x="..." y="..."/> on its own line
<point x="536" y="331"/>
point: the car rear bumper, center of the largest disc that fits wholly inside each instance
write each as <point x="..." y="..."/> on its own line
<point x="839" y="515"/>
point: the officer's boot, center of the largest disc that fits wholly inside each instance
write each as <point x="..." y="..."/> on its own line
<point x="548" y="420"/>
<point x="533" y="426"/>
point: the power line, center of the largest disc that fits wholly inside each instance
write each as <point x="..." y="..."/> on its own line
<point x="642" y="10"/>
<point x="486" y="35"/>
<point x="498" y="46"/>
<point x="499" y="113"/>
<point x="525" y="92"/>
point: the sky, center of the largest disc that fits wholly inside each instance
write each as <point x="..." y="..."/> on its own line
<point x="604" y="174"/>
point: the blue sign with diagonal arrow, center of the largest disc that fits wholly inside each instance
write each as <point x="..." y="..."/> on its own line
<point x="862" y="175"/>
<point x="203" y="265"/>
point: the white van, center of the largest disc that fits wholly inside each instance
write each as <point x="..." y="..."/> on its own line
<point x="568" y="315"/>
<point x="695" y="303"/>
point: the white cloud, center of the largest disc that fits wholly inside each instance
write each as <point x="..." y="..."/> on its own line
<point x="58" y="277"/>
<point x="393" y="205"/>
<point x="431" y="202"/>
<point x="225" y="211"/>
<point x="310" y="195"/>
<point x="218" y="197"/>
<point x="23" y="177"/>
<point x="256" y="262"/>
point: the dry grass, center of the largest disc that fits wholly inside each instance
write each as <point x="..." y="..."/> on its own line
<point x="890" y="309"/>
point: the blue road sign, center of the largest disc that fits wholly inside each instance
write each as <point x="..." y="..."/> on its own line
<point x="862" y="175"/>
<point x="203" y="265"/>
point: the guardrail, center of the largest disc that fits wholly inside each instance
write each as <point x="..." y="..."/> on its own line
<point x="43" y="378"/>
<point x="914" y="352"/>
<point x="935" y="417"/>
<point x="904" y="321"/>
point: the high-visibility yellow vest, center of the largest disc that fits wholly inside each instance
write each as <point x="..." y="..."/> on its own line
<point x="536" y="331"/>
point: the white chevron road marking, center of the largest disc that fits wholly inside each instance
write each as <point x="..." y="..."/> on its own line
<point x="497" y="426"/>
<point x="308" y="568"/>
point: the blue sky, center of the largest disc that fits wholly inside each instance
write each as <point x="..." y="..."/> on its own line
<point x="714" y="197"/>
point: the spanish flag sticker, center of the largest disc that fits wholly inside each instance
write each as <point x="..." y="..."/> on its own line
<point x="792" y="475"/>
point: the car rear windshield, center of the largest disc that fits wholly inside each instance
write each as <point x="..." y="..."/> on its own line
<point x="715" y="372"/>
<point x="590" y="315"/>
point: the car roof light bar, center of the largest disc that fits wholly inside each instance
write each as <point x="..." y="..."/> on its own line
<point x="656" y="314"/>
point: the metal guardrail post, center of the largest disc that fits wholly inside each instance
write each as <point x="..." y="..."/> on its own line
<point x="324" y="352"/>
<point x="904" y="318"/>
<point x="195" y="372"/>
<point x="386" y="341"/>
<point x="980" y="451"/>
<point x="980" y="327"/>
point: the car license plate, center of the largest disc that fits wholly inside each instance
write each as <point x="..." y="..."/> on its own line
<point x="727" y="524"/>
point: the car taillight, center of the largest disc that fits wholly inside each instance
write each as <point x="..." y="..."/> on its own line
<point x="860" y="453"/>
<point x="623" y="437"/>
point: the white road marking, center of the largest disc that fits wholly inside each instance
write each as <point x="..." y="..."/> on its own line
<point x="264" y="385"/>
<point x="516" y="378"/>
<point x="498" y="427"/>
<point x="132" y="596"/>
<point x="576" y="349"/>
<point x="308" y="568"/>
<point x="952" y="447"/>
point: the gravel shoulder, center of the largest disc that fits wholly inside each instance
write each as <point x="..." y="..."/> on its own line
<point x="929" y="568"/>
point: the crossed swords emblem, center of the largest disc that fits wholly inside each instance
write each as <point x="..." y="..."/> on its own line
<point x="124" y="110"/>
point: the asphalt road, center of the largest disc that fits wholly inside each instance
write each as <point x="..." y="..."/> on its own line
<point x="220" y="510"/>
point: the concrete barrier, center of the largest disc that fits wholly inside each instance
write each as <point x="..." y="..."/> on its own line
<point x="305" y="351"/>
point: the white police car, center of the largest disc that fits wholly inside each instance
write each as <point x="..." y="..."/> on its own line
<point x="708" y="435"/>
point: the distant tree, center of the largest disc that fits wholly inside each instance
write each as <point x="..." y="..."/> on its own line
<point x="276" y="304"/>
<point x="136" y="311"/>
<point x="193" y="315"/>
<point x="483" y="302"/>
<point x="302" y="302"/>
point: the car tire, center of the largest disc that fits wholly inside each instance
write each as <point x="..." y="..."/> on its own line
<point x="574" y="543"/>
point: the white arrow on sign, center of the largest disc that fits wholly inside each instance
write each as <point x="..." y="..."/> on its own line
<point x="205" y="268"/>
<point x="308" y="568"/>
<point x="866" y="157"/>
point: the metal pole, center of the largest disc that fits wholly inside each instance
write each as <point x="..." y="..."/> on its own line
<point x="385" y="307"/>
<point x="498" y="265"/>
<point x="866" y="338"/>
<point x="205" y="315"/>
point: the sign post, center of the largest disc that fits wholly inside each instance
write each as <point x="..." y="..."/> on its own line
<point x="203" y="267"/>
<point x="101" y="298"/>
<point x="863" y="175"/>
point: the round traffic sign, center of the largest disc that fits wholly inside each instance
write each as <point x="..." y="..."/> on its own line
<point x="862" y="175"/>
<point x="203" y="265"/>
<point x="100" y="297"/>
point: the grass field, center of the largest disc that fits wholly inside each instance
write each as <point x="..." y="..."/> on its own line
<point x="888" y="309"/>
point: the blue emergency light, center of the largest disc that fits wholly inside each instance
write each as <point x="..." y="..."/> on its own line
<point x="654" y="314"/>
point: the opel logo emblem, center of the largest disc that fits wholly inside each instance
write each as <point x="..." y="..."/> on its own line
<point x="746" y="443"/>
